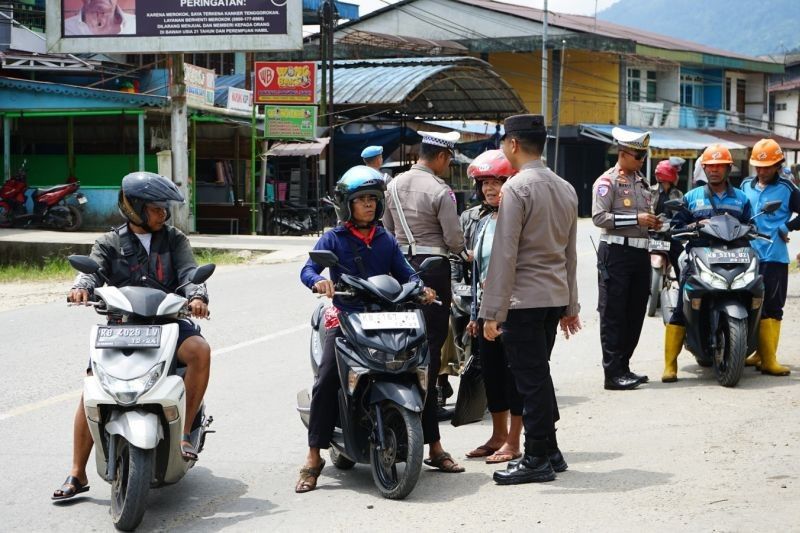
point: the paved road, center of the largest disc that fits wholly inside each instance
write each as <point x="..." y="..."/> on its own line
<point x="691" y="455"/>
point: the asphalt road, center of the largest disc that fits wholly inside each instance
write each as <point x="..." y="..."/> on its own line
<point x="690" y="455"/>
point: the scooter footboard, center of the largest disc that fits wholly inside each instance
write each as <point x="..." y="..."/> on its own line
<point x="140" y="428"/>
<point x="405" y="395"/>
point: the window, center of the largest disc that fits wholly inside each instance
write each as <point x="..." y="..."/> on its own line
<point x="740" y="95"/>
<point x="780" y="107"/>
<point x="642" y="85"/>
<point x="691" y="90"/>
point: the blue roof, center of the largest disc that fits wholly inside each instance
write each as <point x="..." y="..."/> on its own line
<point x="26" y="95"/>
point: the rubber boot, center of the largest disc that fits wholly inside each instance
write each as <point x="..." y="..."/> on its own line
<point x="673" y="343"/>
<point x="769" y="332"/>
<point x="754" y="360"/>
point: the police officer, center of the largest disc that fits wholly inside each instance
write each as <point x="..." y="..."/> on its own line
<point x="531" y="287"/>
<point x="373" y="158"/>
<point x="769" y="185"/>
<point x="421" y="212"/>
<point x="621" y="207"/>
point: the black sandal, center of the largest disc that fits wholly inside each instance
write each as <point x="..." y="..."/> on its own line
<point x="71" y="488"/>
<point x="187" y="450"/>
<point x="440" y="463"/>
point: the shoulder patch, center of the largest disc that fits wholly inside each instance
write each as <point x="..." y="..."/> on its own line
<point x="452" y="195"/>
<point x="602" y="189"/>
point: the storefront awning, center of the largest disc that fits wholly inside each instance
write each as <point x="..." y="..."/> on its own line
<point x="666" y="139"/>
<point x="301" y="149"/>
<point x="749" y="139"/>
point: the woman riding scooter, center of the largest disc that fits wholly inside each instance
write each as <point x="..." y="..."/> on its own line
<point x="667" y="189"/>
<point x="360" y="245"/>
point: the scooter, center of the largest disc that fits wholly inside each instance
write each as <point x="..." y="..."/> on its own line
<point x="21" y="206"/>
<point x="723" y="296"/>
<point x="661" y="271"/>
<point x="383" y="371"/>
<point x="135" y="401"/>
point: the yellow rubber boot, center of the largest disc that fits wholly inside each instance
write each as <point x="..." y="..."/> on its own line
<point x="768" y="334"/>
<point x="673" y="343"/>
<point x="754" y="360"/>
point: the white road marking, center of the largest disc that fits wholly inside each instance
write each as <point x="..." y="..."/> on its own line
<point x="29" y="407"/>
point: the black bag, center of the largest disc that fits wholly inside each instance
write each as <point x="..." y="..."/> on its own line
<point x="471" y="401"/>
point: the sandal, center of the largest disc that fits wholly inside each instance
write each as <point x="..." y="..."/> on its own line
<point x="481" y="451"/>
<point x="308" y="478"/>
<point x="502" y="457"/>
<point x="440" y="462"/>
<point x="71" y="487"/>
<point x="187" y="450"/>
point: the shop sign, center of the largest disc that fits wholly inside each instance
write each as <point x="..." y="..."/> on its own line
<point x="290" y="122"/>
<point x="200" y="84"/>
<point x="284" y="82"/>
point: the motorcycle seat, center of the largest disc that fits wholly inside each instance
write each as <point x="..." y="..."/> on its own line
<point x="46" y="190"/>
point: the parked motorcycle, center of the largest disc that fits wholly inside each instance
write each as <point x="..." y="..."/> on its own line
<point x="722" y="298"/>
<point x="661" y="271"/>
<point x="21" y="206"/>
<point x="135" y="400"/>
<point x="383" y="370"/>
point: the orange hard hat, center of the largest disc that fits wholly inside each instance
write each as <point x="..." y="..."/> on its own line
<point x="716" y="154"/>
<point x="766" y="153"/>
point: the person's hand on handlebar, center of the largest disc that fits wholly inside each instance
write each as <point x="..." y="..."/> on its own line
<point x="198" y="308"/>
<point x="428" y="295"/>
<point x="324" y="287"/>
<point x="78" y="296"/>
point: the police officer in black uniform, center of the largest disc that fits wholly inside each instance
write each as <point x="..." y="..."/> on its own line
<point x="621" y="207"/>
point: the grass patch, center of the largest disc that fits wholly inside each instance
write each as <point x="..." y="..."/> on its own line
<point x="58" y="269"/>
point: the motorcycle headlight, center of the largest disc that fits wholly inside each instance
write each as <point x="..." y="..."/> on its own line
<point x="127" y="391"/>
<point x="711" y="278"/>
<point x="745" y="278"/>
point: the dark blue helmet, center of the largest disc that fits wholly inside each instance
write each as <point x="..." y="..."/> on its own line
<point x="142" y="188"/>
<point x="358" y="181"/>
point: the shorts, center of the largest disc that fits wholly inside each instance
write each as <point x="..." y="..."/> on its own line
<point x="186" y="328"/>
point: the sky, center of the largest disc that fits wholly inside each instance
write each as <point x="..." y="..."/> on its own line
<point x="578" y="7"/>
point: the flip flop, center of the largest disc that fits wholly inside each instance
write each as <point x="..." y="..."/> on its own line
<point x="71" y="488"/>
<point x="308" y="478"/>
<point x="187" y="450"/>
<point x="481" y="451"/>
<point x="503" y="457"/>
<point x="439" y="463"/>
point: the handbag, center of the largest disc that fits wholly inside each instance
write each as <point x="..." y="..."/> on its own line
<point x="471" y="400"/>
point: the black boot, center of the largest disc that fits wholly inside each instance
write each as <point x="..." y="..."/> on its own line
<point x="554" y="455"/>
<point x="533" y="468"/>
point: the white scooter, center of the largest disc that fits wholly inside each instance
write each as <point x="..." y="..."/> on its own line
<point x="135" y="401"/>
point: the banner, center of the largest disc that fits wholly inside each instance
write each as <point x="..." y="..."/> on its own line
<point x="240" y="100"/>
<point x="92" y="26"/>
<point x="290" y="121"/>
<point x="284" y="82"/>
<point x="200" y="83"/>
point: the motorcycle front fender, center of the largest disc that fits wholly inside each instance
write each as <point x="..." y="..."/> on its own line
<point x="404" y="395"/>
<point x="731" y="308"/>
<point x="140" y="428"/>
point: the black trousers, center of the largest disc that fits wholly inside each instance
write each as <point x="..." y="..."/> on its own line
<point x="528" y="337"/>
<point x="324" y="396"/>
<point x="501" y="390"/>
<point x="622" y="301"/>
<point x="437" y="320"/>
<point x="776" y="279"/>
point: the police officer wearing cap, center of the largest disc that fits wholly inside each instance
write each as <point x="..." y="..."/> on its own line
<point x="421" y="213"/>
<point x="373" y="158"/>
<point x="621" y="207"/>
<point x="530" y="288"/>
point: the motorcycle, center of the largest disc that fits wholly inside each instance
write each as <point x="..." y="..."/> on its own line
<point x="723" y="296"/>
<point x="383" y="370"/>
<point x="135" y="400"/>
<point x="661" y="271"/>
<point x="22" y="206"/>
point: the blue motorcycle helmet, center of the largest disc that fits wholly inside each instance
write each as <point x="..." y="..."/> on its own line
<point x="358" y="181"/>
<point x="142" y="188"/>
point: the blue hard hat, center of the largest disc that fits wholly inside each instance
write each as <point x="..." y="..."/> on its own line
<point x="371" y="151"/>
<point x="358" y="180"/>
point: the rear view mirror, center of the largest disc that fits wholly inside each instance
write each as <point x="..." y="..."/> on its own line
<point x="324" y="258"/>
<point x="674" y="205"/>
<point x="430" y="263"/>
<point x="83" y="264"/>
<point x="771" y="207"/>
<point x="201" y="274"/>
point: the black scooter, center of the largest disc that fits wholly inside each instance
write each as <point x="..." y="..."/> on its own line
<point x="383" y="371"/>
<point x="723" y="296"/>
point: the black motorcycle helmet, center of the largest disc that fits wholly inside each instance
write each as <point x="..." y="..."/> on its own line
<point x="141" y="188"/>
<point x="358" y="180"/>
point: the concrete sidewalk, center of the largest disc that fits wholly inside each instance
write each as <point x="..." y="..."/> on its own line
<point x="32" y="245"/>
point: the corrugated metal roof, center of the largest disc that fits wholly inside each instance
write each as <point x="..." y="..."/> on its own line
<point x="299" y="148"/>
<point x="57" y="92"/>
<point x="670" y="138"/>
<point x="750" y="139"/>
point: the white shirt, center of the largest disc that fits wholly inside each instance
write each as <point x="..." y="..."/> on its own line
<point x="145" y="239"/>
<point x="76" y="26"/>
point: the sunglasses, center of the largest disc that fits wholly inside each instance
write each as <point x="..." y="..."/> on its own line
<point x="636" y="155"/>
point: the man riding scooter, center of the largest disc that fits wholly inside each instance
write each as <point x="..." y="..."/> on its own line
<point x="145" y="250"/>
<point x="702" y="203"/>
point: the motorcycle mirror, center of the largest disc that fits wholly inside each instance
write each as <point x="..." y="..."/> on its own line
<point x="674" y="205"/>
<point x="771" y="207"/>
<point x="429" y="263"/>
<point x="83" y="263"/>
<point x="324" y="258"/>
<point x="201" y="274"/>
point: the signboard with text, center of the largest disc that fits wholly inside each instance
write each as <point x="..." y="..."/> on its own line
<point x="200" y="83"/>
<point x="284" y="82"/>
<point x="240" y="99"/>
<point x="290" y="121"/>
<point x="148" y="26"/>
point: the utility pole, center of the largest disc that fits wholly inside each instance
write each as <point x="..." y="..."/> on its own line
<point x="182" y="215"/>
<point x="562" y="60"/>
<point x="544" y="64"/>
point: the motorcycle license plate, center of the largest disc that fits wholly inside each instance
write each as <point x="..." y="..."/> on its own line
<point x="128" y="337"/>
<point x="389" y="320"/>
<point x="658" y="246"/>
<point x="82" y="200"/>
<point x="742" y="257"/>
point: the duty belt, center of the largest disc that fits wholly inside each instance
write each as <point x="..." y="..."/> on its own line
<point x="626" y="241"/>
<point x="425" y="250"/>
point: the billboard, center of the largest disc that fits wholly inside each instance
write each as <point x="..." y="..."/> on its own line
<point x="240" y="100"/>
<point x="148" y="26"/>
<point x="285" y="82"/>
<point x="290" y="121"/>
<point x="200" y="83"/>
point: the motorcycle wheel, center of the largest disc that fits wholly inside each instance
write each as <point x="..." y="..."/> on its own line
<point x="656" y="283"/>
<point x="131" y="485"/>
<point x="402" y="435"/>
<point x="340" y="461"/>
<point x="75" y="219"/>
<point x="731" y="351"/>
